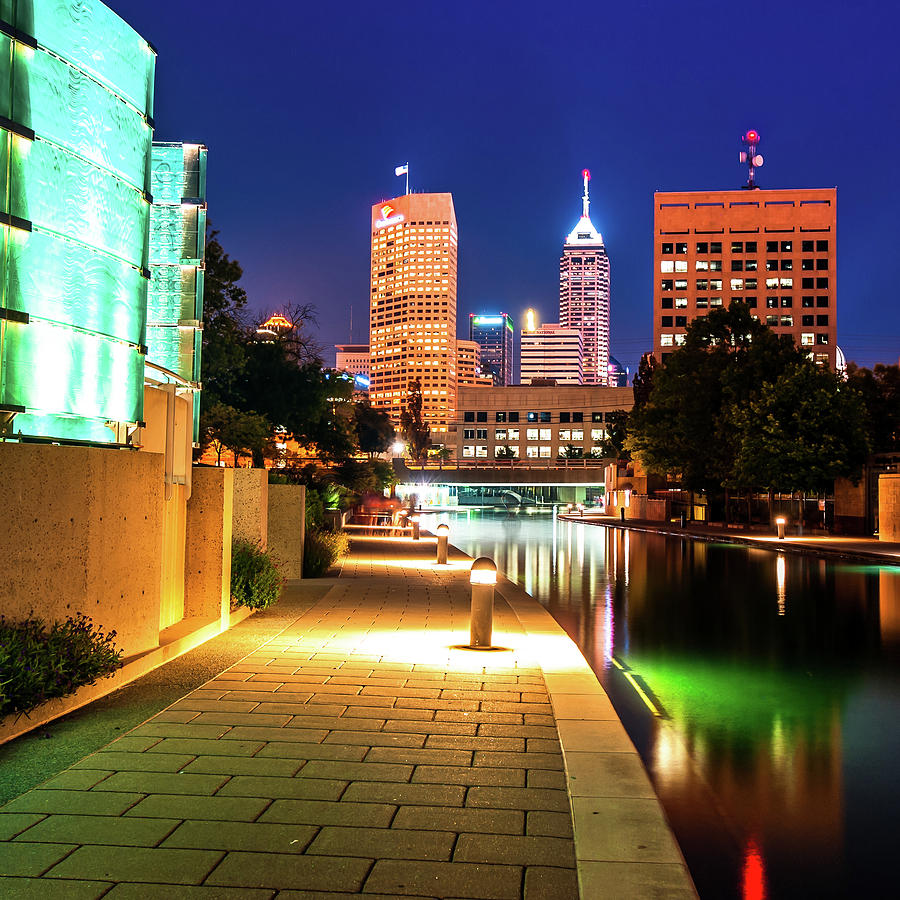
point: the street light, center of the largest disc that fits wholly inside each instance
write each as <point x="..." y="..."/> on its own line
<point x="482" y="577"/>
<point x="398" y="448"/>
<point x="415" y="526"/>
<point x="443" y="536"/>
<point x="780" y="522"/>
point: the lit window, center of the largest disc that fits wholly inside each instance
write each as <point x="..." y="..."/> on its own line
<point x="513" y="434"/>
<point x="667" y="265"/>
<point x="481" y="451"/>
<point x="545" y="451"/>
<point x="737" y="284"/>
<point x="702" y="265"/>
<point x="468" y="451"/>
<point x="531" y="452"/>
<point x="681" y="265"/>
<point x="577" y="434"/>
<point x="500" y="434"/>
<point x="787" y="320"/>
<point x="665" y="340"/>
<point x="821" y="338"/>
<point x="681" y="303"/>
<point x="531" y="434"/>
<point x="807" y="340"/>
<point x="565" y="434"/>
<point x="545" y="434"/>
<point x="679" y="339"/>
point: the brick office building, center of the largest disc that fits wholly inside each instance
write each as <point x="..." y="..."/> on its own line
<point x="773" y="249"/>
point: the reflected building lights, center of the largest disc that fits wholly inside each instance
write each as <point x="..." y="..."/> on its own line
<point x="780" y="578"/>
<point x="753" y="876"/>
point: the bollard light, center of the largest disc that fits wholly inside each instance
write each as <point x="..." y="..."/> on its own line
<point x="415" y="526"/>
<point x="443" y="536"/>
<point x="568" y="508"/>
<point x="580" y="509"/>
<point x="482" y="577"/>
<point x="780" y="522"/>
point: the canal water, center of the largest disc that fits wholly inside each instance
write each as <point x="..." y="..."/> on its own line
<point x="762" y="690"/>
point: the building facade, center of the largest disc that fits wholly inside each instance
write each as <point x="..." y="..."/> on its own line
<point x="552" y="352"/>
<point x="354" y="359"/>
<point x="412" y="313"/>
<point x="468" y="365"/>
<point x="494" y="335"/>
<point x="584" y="291"/>
<point x="772" y="249"/>
<point x="536" y="422"/>
<point x="76" y="108"/>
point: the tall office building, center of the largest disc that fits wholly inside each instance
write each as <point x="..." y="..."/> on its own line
<point x="494" y="335"/>
<point x="412" y="317"/>
<point x="552" y="353"/>
<point x="468" y="365"/>
<point x="773" y="249"/>
<point x="584" y="291"/>
<point x="354" y="359"/>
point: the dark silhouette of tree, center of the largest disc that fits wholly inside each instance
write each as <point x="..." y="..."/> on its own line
<point x="412" y="425"/>
<point x="879" y="391"/>
<point x="374" y="430"/>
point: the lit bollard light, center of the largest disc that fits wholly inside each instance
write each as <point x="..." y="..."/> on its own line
<point x="779" y="524"/>
<point x="443" y="537"/>
<point x="581" y="509"/>
<point x="415" y="526"/>
<point x="482" y="577"/>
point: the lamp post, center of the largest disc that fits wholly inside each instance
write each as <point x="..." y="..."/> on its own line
<point x="415" y="526"/>
<point x="443" y="536"/>
<point x="780" y="522"/>
<point x="483" y="578"/>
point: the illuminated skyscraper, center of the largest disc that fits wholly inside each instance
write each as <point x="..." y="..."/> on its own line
<point x="412" y="313"/>
<point x="494" y="335"/>
<point x="584" y="291"/>
<point x="552" y="353"/>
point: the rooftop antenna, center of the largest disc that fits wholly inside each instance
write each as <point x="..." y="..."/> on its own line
<point x="585" y="202"/>
<point x="753" y="159"/>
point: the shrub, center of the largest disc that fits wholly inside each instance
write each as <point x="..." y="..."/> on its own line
<point x="40" y="662"/>
<point x="321" y="550"/>
<point x="255" y="579"/>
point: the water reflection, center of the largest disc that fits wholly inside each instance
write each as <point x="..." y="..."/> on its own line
<point x="777" y="726"/>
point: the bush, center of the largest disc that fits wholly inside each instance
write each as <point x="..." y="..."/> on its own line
<point x="39" y="663"/>
<point x="255" y="579"/>
<point x="321" y="550"/>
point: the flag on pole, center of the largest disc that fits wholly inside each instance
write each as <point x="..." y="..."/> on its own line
<point x="402" y="170"/>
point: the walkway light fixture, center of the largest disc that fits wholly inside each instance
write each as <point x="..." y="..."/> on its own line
<point x="415" y="526"/>
<point x="780" y="522"/>
<point x="443" y="537"/>
<point x="483" y="578"/>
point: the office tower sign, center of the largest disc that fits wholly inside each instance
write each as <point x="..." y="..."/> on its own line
<point x="584" y="291"/>
<point x="494" y="336"/>
<point x="412" y="311"/>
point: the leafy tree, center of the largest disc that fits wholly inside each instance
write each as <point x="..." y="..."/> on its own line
<point x="642" y="383"/>
<point x="801" y="431"/>
<point x="613" y="445"/>
<point x="412" y="425"/>
<point x="227" y="428"/>
<point x="879" y="391"/>
<point x="374" y="430"/>
<point x="570" y="451"/>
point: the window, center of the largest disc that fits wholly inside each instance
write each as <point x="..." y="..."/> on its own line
<point x="822" y="265"/>
<point x="499" y="434"/>
<point x="596" y="416"/>
<point x="750" y="247"/>
<point x="771" y="246"/>
<point x="481" y="451"/>
<point x="771" y="283"/>
<point x="468" y="434"/>
<point x="750" y="301"/>
<point x="822" y="284"/>
<point x="786" y="282"/>
<point x="513" y="434"/>
<point x="808" y="283"/>
<point x="666" y="321"/>
<point x="787" y="301"/>
<point x="787" y="246"/>
<point x="681" y="303"/>
<point x="531" y="452"/>
<point x="771" y="320"/>
<point x="681" y="248"/>
<point x="822" y="321"/>
<point x="806" y="302"/>
<point x="481" y="434"/>
<point x="821" y="301"/>
<point x="499" y="450"/>
<point x="702" y="265"/>
<point x="737" y="284"/>
<point x="821" y="246"/>
<point x="680" y="285"/>
<point x="702" y="302"/>
<point x="787" y="265"/>
<point x="481" y="416"/>
<point x="468" y="416"/>
<point x="715" y="247"/>
<point x="681" y="265"/>
<point x="577" y="417"/>
<point x="597" y="435"/>
<point x="666" y="265"/>
<point x="807" y="321"/>
<point x="821" y="338"/>
<point x="806" y="265"/>
<point x="787" y="320"/>
<point x="750" y="284"/>
<point x="667" y="284"/>
<point x="564" y="417"/>
<point x="702" y="247"/>
<point x="681" y="321"/>
<point x="679" y="340"/>
<point x="737" y="265"/>
<point x="514" y="417"/>
<point x="545" y="417"/>
<point x="565" y="434"/>
<point x="715" y="265"/>
<point x="531" y="434"/>
<point x="807" y="340"/>
<point x="500" y="417"/>
<point x="715" y="284"/>
<point x="545" y="434"/>
<point x="665" y="340"/>
<point x="737" y="246"/>
<point x="577" y="434"/>
<point x="545" y="451"/>
<point x="702" y="284"/>
<point x="751" y="265"/>
<point x="771" y="303"/>
<point x="670" y="248"/>
<point x="771" y="265"/>
<point x="807" y="246"/>
<point x="468" y="451"/>
<point x="666" y="303"/>
<point x="532" y="417"/>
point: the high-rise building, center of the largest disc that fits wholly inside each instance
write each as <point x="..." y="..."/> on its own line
<point x="552" y="353"/>
<point x="412" y="313"/>
<point x="468" y="365"/>
<point x="494" y="335"/>
<point x="617" y="374"/>
<point x="354" y="359"/>
<point x="773" y="249"/>
<point x="584" y="291"/>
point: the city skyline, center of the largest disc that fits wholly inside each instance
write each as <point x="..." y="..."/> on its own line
<point x="500" y="121"/>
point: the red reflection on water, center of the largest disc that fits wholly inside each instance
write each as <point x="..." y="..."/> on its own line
<point x="753" y="876"/>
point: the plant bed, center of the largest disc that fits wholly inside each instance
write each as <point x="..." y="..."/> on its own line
<point x="321" y="550"/>
<point x="255" y="579"/>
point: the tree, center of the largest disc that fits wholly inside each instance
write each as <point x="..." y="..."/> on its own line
<point x="642" y="383"/>
<point x="227" y="428"/>
<point x="374" y="430"/>
<point x="570" y="451"/>
<point x="613" y="445"/>
<point x="412" y="425"/>
<point x="505" y="452"/>
<point x="879" y="391"/>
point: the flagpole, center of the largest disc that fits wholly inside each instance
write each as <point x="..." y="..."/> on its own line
<point x="407" y="178"/>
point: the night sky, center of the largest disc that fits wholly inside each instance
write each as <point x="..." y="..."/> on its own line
<point x="307" y="108"/>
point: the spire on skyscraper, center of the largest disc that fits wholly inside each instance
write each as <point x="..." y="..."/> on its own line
<point x="584" y="232"/>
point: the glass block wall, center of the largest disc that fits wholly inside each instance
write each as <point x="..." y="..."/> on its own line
<point x="76" y="103"/>
<point x="177" y="248"/>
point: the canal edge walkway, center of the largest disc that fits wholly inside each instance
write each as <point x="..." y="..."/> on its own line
<point x="458" y="764"/>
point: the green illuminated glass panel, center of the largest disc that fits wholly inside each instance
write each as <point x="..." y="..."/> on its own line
<point x="53" y="369"/>
<point x="93" y="38"/>
<point x="52" y="278"/>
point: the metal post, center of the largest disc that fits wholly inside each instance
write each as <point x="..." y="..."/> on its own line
<point x="443" y="537"/>
<point x="622" y="513"/>
<point x="482" y="577"/>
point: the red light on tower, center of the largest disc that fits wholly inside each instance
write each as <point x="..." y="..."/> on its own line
<point x="752" y="137"/>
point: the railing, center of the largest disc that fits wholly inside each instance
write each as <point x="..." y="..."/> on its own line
<point x="575" y="463"/>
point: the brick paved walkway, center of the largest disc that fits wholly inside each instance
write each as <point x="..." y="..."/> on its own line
<point x="357" y="752"/>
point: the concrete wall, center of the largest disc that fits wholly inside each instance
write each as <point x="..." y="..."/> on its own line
<point x="850" y="506"/>
<point x="207" y="570"/>
<point x="251" y="506"/>
<point x="889" y="507"/>
<point x="81" y="531"/>
<point x="287" y="526"/>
